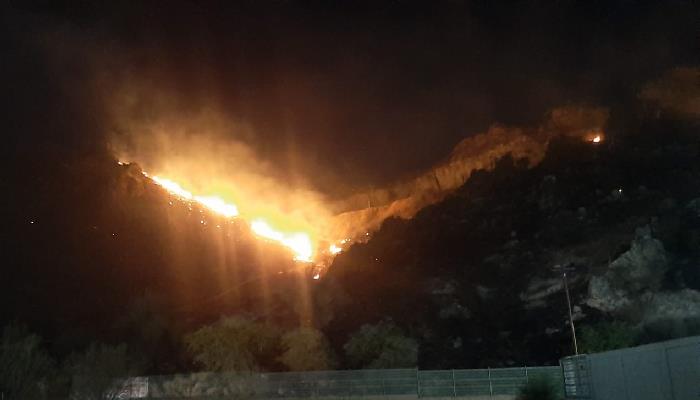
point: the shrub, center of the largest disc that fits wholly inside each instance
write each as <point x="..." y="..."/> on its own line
<point x="233" y="344"/>
<point x="381" y="346"/>
<point x="24" y="365"/>
<point x="538" y="389"/>
<point x="98" y="372"/>
<point x="608" y="336"/>
<point x="669" y="328"/>
<point x="306" y="349"/>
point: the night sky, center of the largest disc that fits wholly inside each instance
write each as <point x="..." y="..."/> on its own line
<point x="346" y="95"/>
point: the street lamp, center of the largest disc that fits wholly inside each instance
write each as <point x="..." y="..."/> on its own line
<point x="564" y="270"/>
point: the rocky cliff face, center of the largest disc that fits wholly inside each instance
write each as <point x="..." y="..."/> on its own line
<point x="634" y="287"/>
<point x="635" y="272"/>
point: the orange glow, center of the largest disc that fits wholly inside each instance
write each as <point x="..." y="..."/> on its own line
<point x="594" y="136"/>
<point x="217" y="205"/>
<point x="299" y="242"/>
<point x="333" y="249"/>
<point x="201" y="160"/>
<point x="171" y="187"/>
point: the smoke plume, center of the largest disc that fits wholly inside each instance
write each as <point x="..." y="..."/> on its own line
<point x="206" y="152"/>
<point x="366" y="211"/>
<point x="676" y="93"/>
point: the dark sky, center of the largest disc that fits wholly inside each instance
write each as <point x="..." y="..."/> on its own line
<point x="370" y="92"/>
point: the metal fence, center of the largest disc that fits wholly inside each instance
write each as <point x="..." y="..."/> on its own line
<point x="484" y="383"/>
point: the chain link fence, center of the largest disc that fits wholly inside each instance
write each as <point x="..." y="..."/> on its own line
<point x="409" y="383"/>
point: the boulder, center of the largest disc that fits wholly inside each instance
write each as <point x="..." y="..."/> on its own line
<point x="604" y="297"/>
<point x="642" y="266"/>
<point x="630" y="289"/>
<point x="631" y="276"/>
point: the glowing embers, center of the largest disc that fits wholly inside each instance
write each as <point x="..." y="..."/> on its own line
<point x="595" y="137"/>
<point x="338" y="247"/>
<point x="333" y="249"/>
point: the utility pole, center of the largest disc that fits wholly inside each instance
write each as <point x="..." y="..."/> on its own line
<point x="564" y="270"/>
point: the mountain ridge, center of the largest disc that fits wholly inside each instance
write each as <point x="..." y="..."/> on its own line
<point x="471" y="277"/>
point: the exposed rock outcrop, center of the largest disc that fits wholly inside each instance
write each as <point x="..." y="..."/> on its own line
<point x="630" y="276"/>
<point x="630" y="287"/>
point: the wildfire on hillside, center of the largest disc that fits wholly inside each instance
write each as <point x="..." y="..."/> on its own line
<point x="303" y="245"/>
<point x="226" y="177"/>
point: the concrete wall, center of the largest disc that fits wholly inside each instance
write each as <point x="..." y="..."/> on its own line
<point x="660" y="371"/>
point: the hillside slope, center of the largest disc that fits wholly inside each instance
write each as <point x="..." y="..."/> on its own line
<point x="471" y="276"/>
<point x="85" y="239"/>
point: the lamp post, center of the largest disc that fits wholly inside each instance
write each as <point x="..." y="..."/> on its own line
<point x="564" y="270"/>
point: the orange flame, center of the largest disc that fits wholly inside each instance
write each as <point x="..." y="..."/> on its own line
<point x="334" y="249"/>
<point x="298" y="242"/>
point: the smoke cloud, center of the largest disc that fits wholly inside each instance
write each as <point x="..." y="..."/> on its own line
<point x="366" y="211"/>
<point x="676" y="93"/>
<point x="206" y="153"/>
